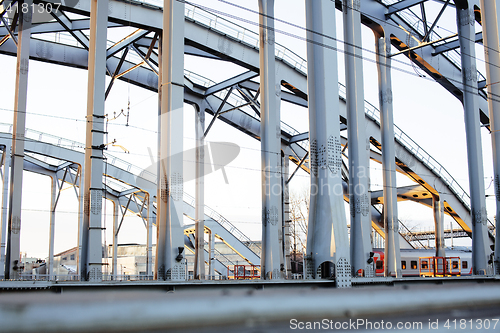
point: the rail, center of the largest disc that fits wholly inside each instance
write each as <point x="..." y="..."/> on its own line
<point x="406" y="233"/>
<point x="374" y="114"/>
<point x="300" y="64"/>
<point x="223" y="222"/>
<point x="76" y="277"/>
<point x="34" y="135"/>
<point x="418" y="152"/>
<point x="135" y="170"/>
<point x="415" y="22"/>
<point x="219" y="254"/>
<point x="248" y="37"/>
<point x="251" y="38"/>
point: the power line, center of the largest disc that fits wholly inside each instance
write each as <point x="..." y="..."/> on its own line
<point x="386" y="22"/>
<point x="455" y="81"/>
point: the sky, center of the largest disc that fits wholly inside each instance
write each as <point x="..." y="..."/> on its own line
<point x="57" y="105"/>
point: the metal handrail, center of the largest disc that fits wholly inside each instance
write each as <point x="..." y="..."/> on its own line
<point x="295" y="61"/>
<point x="217" y="254"/>
<point x="419" y="153"/>
<point x="373" y="113"/>
<point x="76" y="277"/>
<point x="135" y="170"/>
<point x="35" y="135"/>
<point x="414" y="21"/>
<point x="411" y="146"/>
<point x="223" y="222"/>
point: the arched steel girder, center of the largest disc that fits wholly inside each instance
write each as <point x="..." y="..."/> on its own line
<point x="216" y="44"/>
<point x="392" y="20"/>
<point x="409" y="159"/>
<point x="125" y="186"/>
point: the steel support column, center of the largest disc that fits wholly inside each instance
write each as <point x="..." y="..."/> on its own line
<point x="91" y="261"/>
<point x="5" y="201"/>
<point x="327" y="240"/>
<point x="149" y="244"/>
<point x="16" y="181"/>
<point x="286" y="215"/>
<point x="170" y="262"/>
<point x="81" y="234"/>
<point x="211" y="255"/>
<point x="271" y="257"/>
<point x="438" y="209"/>
<point x="359" y="147"/>
<point x="52" y="228"/>
<point x="392" y="255"/>
<point x="116" y="213"/>
<point x="489" y="21"/>
<point x="199" y="254"/>
<point x="466" y="33"/>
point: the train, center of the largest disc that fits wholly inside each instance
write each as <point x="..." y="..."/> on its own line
<point x="424" y="263"/>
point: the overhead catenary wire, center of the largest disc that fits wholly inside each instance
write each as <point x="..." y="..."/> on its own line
<point x="386" y="22"/>
<point x="225" y="1"/>
<point x="218" y="12"/>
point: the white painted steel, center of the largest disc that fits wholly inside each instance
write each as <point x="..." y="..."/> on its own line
<point x="12" y="261"/>
<point x="359" y="145"/>
<point x="52" y="225"/>
<point x="392" y="257"/>
<point x="199" y="261"/>
<point x="270" y="138"/>
<point x="466" y="33"/>
<point x="91" y="228"/>
<point x="490" y="23"/>
<point x="5" y="200"/>
<point x="438" y="210"/>
<point x="150" y="311"/>
<point x="170" y="261"/>
<point x="327" y="253"/>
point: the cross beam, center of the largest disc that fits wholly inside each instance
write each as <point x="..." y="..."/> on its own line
<point x="402" y="5"/>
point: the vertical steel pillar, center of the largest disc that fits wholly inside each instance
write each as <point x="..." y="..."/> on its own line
<point x="489" y="21"/>
<point x="149" y="244"/>
<point x="270" y="130"/>
<point x="5" y="201"/>
<point x="91" y="262"/>
<point x="359" y="196"/>
<point x="438" y="208"/>
<point x="211" y="255"/>
<point x="286" y="215"/>
<point x="392" y="255"/>
<point x="327" y="238"/>
<point x="52" y="228"/>
<point x="451" y="234"/>
<point x="170" y="262"/>
<point x="81" y="215"/>
<point x="116" y="214"/>
<point x="199" y="254"/>
<point x="16" y="180"/>
<point x="466" y="33"/>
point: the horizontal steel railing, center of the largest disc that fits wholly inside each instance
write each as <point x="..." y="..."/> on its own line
<point x="223" y="222"/>
<point x="370" y="110"/>
<point x="124" y="165"/>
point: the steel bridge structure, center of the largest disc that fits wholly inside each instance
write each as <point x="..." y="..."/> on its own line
<point x="342" y="127"/>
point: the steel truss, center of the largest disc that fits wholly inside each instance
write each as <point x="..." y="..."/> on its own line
<point x="235" y="101"/>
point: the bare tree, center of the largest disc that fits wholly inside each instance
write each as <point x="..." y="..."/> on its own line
<point x="299" y="213"/>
